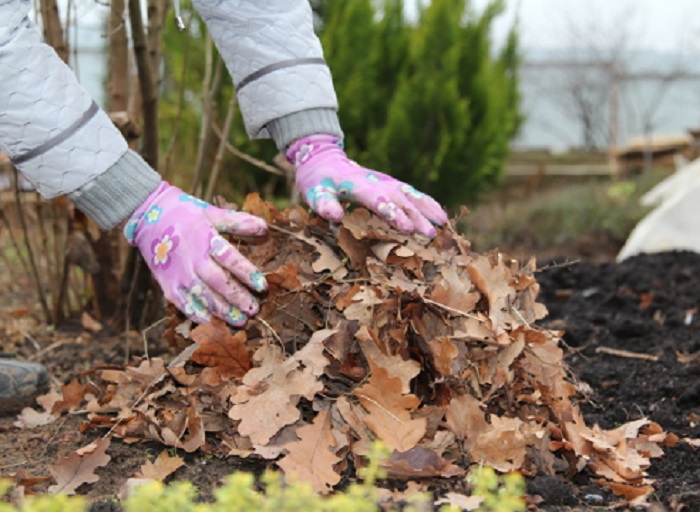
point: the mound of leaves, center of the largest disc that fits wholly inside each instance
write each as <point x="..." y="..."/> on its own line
<point x="367" y="334"/>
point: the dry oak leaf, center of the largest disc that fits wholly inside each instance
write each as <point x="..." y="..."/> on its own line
<point x="504" y="444"/>
<point x="491" y="276"/>
<point x="466" y="419"/>
<point x="389" y="410"/>
<point x="313" y="456"/>
<point x="220" y="349"/>
<point x="420" y="462"/>
<point x="72" y="395"/>
<point x="444" y="354"/>
<point x="327" y="260"/>
<point x="396" y="366"/>
<point x="633" y="495"/>
<point x="31" y="418"/>
<point x="161" y="468"/>
<point x="615" y="456"/>
<point x="193" y="425"/>
<point x="267" y="399"/>
<point x="78" y="468"/>
<point x="363" y="302"/>
<point x="455" y="291"/>
<point x="461" y="501"/>
<point x="353" y="415"/>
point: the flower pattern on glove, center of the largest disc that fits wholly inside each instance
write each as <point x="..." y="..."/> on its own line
<point x="195" y="302"/>
<point x="153" y="214"/>
<point x="200" y="272"/>
<point x="163" y="246"/>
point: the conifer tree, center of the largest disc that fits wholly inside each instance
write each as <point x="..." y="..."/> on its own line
<point x="455" y="107"/>
<point x="349" y="35"/>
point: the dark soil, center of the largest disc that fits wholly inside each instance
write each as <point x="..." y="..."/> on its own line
<point x="650" y="305"/>
<point x="647" y="305"/>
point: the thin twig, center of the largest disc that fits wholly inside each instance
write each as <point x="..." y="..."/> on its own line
<point x="223" y="138"/>
<point x="626" y="353"/>
<point x="143" y="334"/>
<point x="274" y="333"/>
<point x="246" y="157"/>
<point x="567" y="263"/>
<point x="180" y="101"/>
<point x="30" y="252"/>
<point x="129" y="298"/>
<point x="50" y="348"/>
<point x="448" y="308"/>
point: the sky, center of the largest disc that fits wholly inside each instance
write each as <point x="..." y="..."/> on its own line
<point x="663" y="25"/>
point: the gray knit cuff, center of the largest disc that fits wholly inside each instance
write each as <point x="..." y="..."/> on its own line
<point x="287" y="129"/>
<point x="115" y="194"/>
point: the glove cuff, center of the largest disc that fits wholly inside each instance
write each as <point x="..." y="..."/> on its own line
<point x="287" y="129"/>
<point x="115" y="194"/>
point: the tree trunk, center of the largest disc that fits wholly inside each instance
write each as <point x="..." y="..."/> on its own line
<point x="53" y="30"/>
<point x="143" y="297"/>
<point x="118" y="86"/>
<point x="147" y="85"/>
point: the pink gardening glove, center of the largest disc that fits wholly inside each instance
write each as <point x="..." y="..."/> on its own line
<point x="200" y="272"/>
<point x="324" y="174"/>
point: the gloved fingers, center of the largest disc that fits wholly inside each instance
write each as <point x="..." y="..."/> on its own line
<point x="232" y="260"/>
<point x="323" y="199"/>
<point x="198" y="302"/>
<point x="421" y="224"/>
<point x="227" y="286"/>
<point x="381" y="203"/>
<point x="425" y="206"/>
<point x="428" y="207"/>
<point x="237" y="223"/>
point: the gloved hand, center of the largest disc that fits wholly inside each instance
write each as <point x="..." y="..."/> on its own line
<point x="200" y="272"/>
<point x="324" y="174"/>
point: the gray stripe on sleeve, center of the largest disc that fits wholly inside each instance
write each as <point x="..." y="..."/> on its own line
<point x="276" y="67"/>
<point x="61" y="137"/>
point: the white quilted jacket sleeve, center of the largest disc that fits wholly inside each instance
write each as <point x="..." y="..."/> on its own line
<point x="274" y="56"/>
<point x="49" y="126"/>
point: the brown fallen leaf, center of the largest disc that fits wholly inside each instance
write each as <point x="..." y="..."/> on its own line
<point x="444" y="353"/>
<point x="220" y="349"/>
<point x="694" y="442"/>
<point x="268" y="397"/>
<point x="312" y="458"/>
<point x="161" y="468"/>
<point x="455" y="290"/>
<point x="634" y="495"/>
<point x="72" y="394"/>
<point x="396" y="366"/>
<point x="419" y="462"/>
<point x="390" y="410"/>
<point x="89" y="322"/>
<point x="461" y="501"/>
<point x="31" y="418"/>
<point x="504" y="444"/>
<point x="466" y="419"/>
<point x="492" y="278"/>
<point x="78" y="468"/>
<point x="362" y="307"/>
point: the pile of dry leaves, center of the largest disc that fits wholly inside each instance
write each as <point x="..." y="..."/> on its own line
<point x="369" y="334"/>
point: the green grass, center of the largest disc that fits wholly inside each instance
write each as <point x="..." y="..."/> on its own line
<point x="560" y="215"/>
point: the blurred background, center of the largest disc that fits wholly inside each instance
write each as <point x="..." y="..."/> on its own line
<point x="546" y="119"/>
